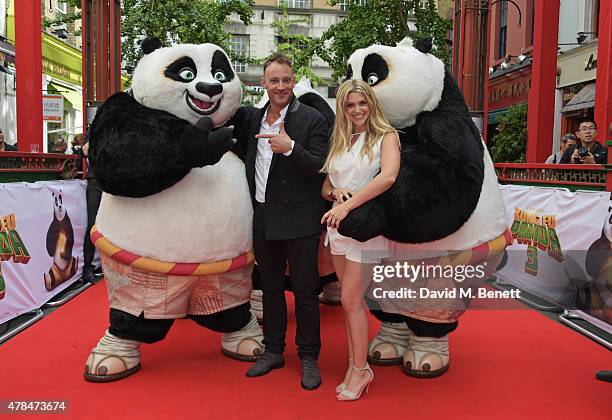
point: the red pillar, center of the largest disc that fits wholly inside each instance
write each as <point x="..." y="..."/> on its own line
<point x="603" y="86"/>
<point x="115" y="46"/>
<point x="485" y="116"/>
<point x="541" y="100"/>
<point x="28" y="60"/>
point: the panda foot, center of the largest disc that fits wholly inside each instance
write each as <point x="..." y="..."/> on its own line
<point x="388" y="346"/>
<point x="113" y="358"/>
<point x="246" y="344"/>
<point x="426" y="357"/>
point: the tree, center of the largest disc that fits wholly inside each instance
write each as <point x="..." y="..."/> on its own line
<point x="300" y="49"/>
<point x="381" y="22"/>
<point x="510" y="143"/>
<point x="178" y="21"/>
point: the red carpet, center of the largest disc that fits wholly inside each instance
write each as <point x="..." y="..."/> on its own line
<point x="505" y="364"/>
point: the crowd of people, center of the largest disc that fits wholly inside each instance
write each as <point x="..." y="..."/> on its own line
<point x="581" y="148"/>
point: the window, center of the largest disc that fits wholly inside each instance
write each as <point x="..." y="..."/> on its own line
<point x="61" y="7"/>
<point x="239" y="45"/>
<point x="297" y="19"/>
<point x="299" y="43"/>
<point x="296" y="4"/>
<point x="344" y="4"/>
<point x="503" y="28"/>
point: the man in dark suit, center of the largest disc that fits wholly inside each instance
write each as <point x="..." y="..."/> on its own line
<point x="284" y="147"/>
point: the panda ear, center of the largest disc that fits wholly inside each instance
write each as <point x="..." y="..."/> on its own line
<point x="150" y="44"/>
<point x="405" y="43"/>
<point x="424" y="45"/>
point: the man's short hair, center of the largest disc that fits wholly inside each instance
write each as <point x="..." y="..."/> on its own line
<point x="278" y="59"/>
<point x="568" y="136"/>
<point x="586" y="121"/>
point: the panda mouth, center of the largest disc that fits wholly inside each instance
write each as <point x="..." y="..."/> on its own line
<point x="202" y="107"/>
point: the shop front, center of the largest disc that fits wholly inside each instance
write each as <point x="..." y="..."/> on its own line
<point x="576" y="87"/>
<point x="62" y="75"/>
<point x="506" y="88"/>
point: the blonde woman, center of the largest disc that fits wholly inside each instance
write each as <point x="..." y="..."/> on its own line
<point x="362" y="163"/>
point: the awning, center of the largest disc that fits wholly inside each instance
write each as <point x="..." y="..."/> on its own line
<point x="72" y="96"/>
<point x="585" y="98"/>
<point x="493" y="116"/>
<point x="7" y="51"/>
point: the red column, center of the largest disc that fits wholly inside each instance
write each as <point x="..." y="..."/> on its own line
<point x="485" y="116"/>
<point x="28" y="60"/>
<point x="115" y="46"/>
<point x="603" y="86"/>
<point x="541" y="103"/>
<point x="102" y="42"/>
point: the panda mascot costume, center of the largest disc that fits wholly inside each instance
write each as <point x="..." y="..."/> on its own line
<point x="174" y="228"/>
<point x="444" y="206"/>
<point x="330" y="294"/>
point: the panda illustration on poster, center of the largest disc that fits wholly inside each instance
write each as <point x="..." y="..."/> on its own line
<point x="60" y="241"/>
<point x="444" y="205"/>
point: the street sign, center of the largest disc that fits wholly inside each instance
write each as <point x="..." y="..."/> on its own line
<point x="53" y="108"/>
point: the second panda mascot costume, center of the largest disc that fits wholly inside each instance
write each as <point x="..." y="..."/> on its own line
<point x="174" y="228"/>
<point x="445" y="208"/>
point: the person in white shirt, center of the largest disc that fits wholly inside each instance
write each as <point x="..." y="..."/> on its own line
<point x="567" y="140"/>
<point x="363" y="162"/>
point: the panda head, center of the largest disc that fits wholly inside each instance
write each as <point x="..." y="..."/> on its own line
<point x="406" y="80"/>
<point x="59" y="209"/>
<point x="189" y="81"/>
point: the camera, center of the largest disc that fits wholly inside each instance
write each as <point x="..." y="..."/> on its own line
<point x="583" y="152"/>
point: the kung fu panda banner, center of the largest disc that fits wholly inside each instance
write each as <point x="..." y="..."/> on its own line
<point x="561" y="248"/>
<point x="42" y="226"/>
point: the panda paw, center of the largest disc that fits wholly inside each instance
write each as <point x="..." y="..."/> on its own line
<point x="365" y="222"/>
<point x="204" y="146"/>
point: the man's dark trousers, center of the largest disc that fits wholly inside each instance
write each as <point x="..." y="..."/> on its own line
<point x="301" y="254"/>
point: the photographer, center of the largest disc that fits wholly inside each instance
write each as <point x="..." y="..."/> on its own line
<point x="587" y="150"/>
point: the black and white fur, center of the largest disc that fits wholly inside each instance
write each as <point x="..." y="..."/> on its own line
<point x="446" y="196"/>
<point x="162" y="175"/>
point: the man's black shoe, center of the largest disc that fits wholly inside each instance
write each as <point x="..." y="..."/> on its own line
<point x="266" y="363"/>
<point x="311" y="377"/>
<point x="604" y="375"/>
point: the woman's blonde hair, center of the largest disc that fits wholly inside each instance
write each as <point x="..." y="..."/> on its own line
<point x="377" y="125"/>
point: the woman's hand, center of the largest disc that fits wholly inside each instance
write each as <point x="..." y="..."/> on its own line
<point x="341" y="194"/>
<point x="333" y="217"/>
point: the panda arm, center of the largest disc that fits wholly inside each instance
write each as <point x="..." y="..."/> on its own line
<point x="310" y="159"/>
<point x="137" y="151"/>
<point x="69" y="233"/>
<point x="52" y="237"/>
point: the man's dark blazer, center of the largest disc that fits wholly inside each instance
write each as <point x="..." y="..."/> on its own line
<point x="294" y="206"/>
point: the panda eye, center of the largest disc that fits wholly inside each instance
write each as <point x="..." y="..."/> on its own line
<point x="220" y="76"/>
<point x="187" y="74"/>
<point x="372" y="79"/>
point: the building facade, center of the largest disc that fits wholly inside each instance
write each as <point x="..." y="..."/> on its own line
<point x="511" y="38"/>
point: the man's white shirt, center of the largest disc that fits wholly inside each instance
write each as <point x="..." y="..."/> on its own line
<point x="264" y="156"/>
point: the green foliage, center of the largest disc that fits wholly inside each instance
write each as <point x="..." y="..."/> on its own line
<point x="510" y="143"/>
<point x="65" y="19"/>
<point x="178" y="21"/>
<point x="381" y="22"/>
<point x="300" y="49"/>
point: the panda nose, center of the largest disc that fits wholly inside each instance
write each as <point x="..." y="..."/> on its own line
<point x="210" y="89"/>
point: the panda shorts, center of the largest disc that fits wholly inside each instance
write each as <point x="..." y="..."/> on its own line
<point x="372" y="251"/>
<point x="163" y="296"/>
